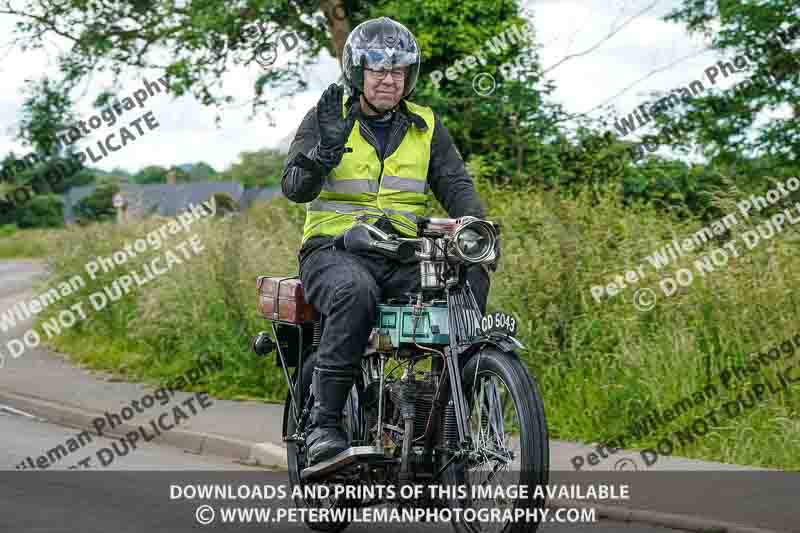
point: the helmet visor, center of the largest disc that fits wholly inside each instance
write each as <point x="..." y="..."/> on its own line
<point x="385" y="59"/>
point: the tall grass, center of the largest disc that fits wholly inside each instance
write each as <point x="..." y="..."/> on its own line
<point x="600" y="365"/>
<point x="29" y="243"/>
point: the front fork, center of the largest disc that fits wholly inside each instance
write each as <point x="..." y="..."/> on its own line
<point x="462" y="310"/>
<point x="457" y="394"/>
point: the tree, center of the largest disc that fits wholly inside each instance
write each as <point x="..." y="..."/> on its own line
<point x="47" y="110"/>
<point x="261" y="168"/>
<point x="205" y="39"/>
<point x="201" y="172"/>
<point x="181" y="176"/>
<point x="98" y="206"/>
<point x="150" y="174"/>
<point x="119" y="171"/>
<point x="50" y="167"/>
<point x="41" y="212"/>
<point x="763" y="34"/>
<point x="57" y="175"/>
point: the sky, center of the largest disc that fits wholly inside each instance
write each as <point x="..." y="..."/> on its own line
<point x="186" y="131"/>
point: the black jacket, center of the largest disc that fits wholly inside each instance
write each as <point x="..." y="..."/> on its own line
<point x="447" y="175"/>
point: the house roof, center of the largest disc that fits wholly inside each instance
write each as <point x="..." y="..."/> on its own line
<point x="170" y="200"/>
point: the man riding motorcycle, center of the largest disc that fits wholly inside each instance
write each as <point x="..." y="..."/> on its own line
<point x="399" y="154"/>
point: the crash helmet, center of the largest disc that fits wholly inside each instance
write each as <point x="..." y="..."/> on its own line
<point x="380" y="43"/>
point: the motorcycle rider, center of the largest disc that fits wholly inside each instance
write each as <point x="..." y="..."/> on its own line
<point x="398" y="155"/>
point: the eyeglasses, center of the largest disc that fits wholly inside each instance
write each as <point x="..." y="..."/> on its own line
<point x="397" y="74"/>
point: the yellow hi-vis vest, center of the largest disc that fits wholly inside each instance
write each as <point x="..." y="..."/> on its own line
<point x="398" y="188"/>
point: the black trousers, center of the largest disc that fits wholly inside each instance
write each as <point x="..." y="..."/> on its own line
<point x="346" y="289"/>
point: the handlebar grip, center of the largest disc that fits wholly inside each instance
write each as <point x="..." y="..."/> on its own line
<point x="401" y="250"/>
<point x="358" y="239"/>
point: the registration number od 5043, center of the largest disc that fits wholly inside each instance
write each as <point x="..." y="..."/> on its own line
<point x="499" y="321"/>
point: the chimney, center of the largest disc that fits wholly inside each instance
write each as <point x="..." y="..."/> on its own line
<point x="172" y="177"/>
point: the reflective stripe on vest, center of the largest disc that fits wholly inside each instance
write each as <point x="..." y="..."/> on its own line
<point x="357" y="184"/>
<point x="362" y="185"/>
<point x="342" y="207"/>
<point x="404" y="184"/>
<point x="354" y="186"/>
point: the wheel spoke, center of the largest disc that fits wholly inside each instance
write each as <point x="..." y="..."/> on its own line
<point x="493" y="438"/>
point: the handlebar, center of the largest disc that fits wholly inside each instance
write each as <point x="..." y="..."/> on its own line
<point x="460" y="239"/>
<point x="358" y="239"/>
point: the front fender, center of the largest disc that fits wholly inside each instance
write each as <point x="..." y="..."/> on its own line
<point x="503" y="342"/>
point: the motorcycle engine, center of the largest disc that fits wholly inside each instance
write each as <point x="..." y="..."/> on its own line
<point x="407" y="397"/>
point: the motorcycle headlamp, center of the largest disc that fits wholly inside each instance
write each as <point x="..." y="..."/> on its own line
<point x="474" y="241"/>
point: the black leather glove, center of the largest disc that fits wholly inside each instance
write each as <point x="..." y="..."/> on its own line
<point x="334" y="129"/>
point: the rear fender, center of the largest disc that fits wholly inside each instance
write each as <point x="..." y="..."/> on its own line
<point x="293" y="339"/>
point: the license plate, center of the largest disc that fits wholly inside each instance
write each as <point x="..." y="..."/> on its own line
<point x="498" y="322"/>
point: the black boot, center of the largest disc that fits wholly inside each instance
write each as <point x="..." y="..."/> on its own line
<point x="330" y="388"/>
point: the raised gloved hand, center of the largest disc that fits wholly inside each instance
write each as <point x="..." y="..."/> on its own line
<point x="334" y="129"/>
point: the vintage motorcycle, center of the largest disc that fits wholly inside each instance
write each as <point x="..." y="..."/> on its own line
<point x="464" y="410"/>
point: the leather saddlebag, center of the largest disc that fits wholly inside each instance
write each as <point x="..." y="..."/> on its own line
<point x="283" y="299"/>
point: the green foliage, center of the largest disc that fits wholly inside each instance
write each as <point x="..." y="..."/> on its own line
<point x="43" y="211"/>
<point x="201" y="172"/>
<point x="118" y="171"/>
<point x="507" y="128"/>
<point x="12" y="166"/>
<point x="181" y="176"/>
<point x="262" y="168"/>
<point x="56" y="175"/>
<point x="30" y="243"/>
<point x="141" y="340"/>
<point x="98" y="206"/>
<point x="150" y="174"/>
<point x="225" y="204"/>
<point x="158" y="174"/>
<point x="53" y="175"/>
<point x="45" y="112"/>
<point x="7" y="230"/>
<point x="767" y="32"/>
<point x="206" y="40"/>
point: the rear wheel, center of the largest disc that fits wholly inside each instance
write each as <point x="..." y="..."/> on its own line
<point x="296" y="453"/>
<point x="509" y="434"/>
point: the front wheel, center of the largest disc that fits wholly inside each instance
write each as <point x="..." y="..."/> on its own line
<point x="510" y="446"/>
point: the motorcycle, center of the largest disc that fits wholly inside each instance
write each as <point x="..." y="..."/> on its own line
<point x="464" y="410"/>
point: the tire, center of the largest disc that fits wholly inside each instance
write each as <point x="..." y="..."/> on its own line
<point x="533" y="444"/>
<point x="295" y="454"/>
